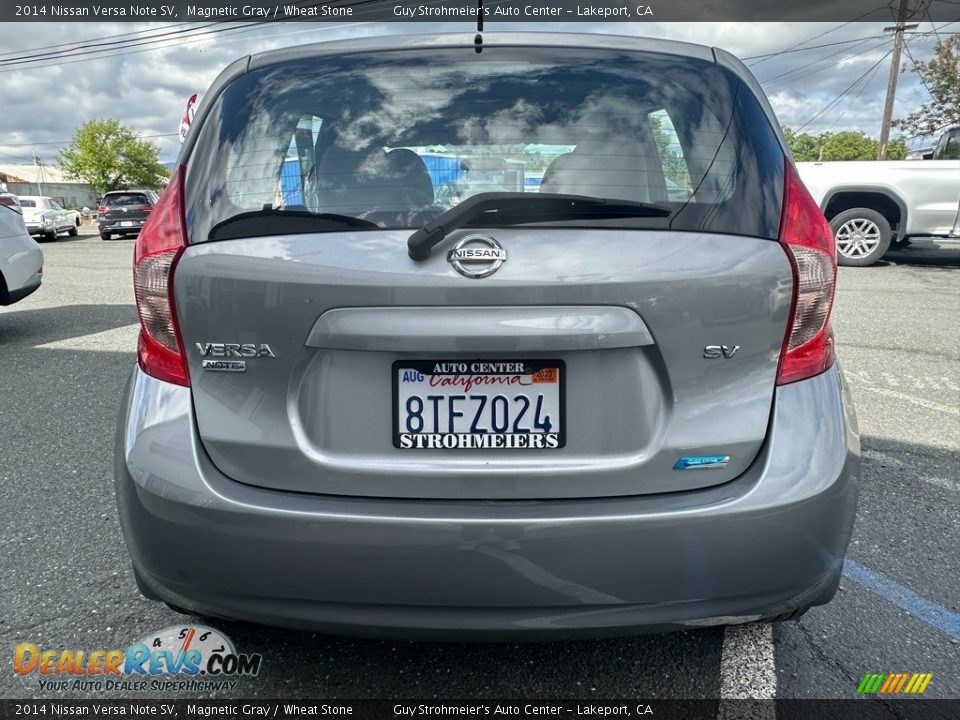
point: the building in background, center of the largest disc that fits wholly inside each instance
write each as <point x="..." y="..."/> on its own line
<point x="28" y="179"/>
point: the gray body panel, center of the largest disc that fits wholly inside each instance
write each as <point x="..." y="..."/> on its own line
<point x="769" y="542"/>
<point x="318" y="417"/>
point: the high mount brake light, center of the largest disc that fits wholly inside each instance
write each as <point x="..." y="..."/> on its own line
<point x="808" y="240"/>
<point x="159" y="246"/>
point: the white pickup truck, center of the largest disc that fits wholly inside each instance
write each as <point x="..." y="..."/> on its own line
<point x="873" y="204"/>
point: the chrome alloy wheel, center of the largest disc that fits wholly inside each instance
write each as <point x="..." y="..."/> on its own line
<point x="857" y="238"/>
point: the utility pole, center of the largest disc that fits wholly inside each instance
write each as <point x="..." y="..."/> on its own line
<point x="894" y="74"/>
<point x="36" y="162"/>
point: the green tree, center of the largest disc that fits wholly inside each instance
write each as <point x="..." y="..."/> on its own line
<point x="109" y="156"/>
<point x="848" y="145"/>
<point x="843" y="145"/>
<point x="941" y="77"/>
<point x="897" y="149"/>
<point x="669" y="149"/>
<point x="803" y="147"/>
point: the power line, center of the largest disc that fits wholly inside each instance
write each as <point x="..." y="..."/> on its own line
<point x="102" y="49"/>
<point x="859" y="92"/>
<point x="95" y="48"/>
<point x="819" y="35"/>
<point x="111" y="43"/>
<point x="811" y="47"/>
<point x="80" y="43"/>
<point x="67" y="142"/>
<point x="839" y="97"/>
<point x="916" y="68"/>
<point x="794" y="71"/>
<point x="16" y="157"/>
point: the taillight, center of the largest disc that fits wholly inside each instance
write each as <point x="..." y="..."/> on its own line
<point x="145" y="208"/>
<point x="103" y="210"/>
<point x="808" y="240"/>
<point x="158" y="248"/>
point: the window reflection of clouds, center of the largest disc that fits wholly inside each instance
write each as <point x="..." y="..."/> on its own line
<point x="503" y="108"/>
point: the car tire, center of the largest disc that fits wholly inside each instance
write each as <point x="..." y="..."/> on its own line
<point x="143" y="587"/>
<point x="105" y="236"/>
<point x="862" y="235"/>
<point x="787" y="616"/>
<point x="181" y="610"/>
<point x="72" y="232"/>
<point x="50" y="236"/>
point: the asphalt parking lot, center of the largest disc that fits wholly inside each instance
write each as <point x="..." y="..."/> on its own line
<point x="65" y="354"/>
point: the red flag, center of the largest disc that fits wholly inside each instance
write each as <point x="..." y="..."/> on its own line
<point x="187" y="117"/>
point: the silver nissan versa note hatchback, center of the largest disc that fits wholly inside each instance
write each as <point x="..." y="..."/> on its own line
<point x="602" y="402"/>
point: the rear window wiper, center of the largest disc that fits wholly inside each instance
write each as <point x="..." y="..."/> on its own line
<point x="276" y="221"/>
<point x="507" y="208"/>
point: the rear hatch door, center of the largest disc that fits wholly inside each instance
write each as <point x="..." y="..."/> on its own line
<point x="643" y="348"/>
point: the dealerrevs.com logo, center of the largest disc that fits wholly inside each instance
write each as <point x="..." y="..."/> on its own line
<point x="191" y="657"/>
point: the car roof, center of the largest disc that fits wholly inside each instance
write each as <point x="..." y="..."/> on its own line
<point x="490" y="39"/>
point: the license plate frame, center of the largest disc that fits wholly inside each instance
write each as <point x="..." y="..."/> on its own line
<point x="530" y="366"/>
<point x="126" y="223"/>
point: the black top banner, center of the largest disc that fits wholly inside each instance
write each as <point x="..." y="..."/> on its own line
<point x="494" y="11"/>
<point x="492" y="709"/>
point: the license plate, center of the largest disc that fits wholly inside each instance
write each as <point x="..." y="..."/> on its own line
<point x="478" y="404"/>
<point x="126" y="223"/>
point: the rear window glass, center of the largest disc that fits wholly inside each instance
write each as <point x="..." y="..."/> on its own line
<point x="125" y="199"/>
<point x="28" y="203"/>
<point x="395" y="138"/>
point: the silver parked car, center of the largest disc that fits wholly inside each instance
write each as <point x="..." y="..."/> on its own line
<point x="595" y="408"/>
<point x="21" y="259"/>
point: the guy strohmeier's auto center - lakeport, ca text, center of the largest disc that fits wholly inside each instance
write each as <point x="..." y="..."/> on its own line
<point x="54" y="11"/>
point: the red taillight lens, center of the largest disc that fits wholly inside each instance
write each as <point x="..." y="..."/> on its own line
<point x="146" y="208"/>
<point x="808" y="241"/>
<point x="103" y="210"/>
<point x="159" y="246"/>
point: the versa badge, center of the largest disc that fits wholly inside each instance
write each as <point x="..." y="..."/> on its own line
<point x="229" y="352"/>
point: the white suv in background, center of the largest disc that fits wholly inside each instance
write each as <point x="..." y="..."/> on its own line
<point x="21" y="260"/>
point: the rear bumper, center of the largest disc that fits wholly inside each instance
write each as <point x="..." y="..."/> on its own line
<point x="117" y="226"/>
<point x="767" y="543"/>
<point x="9" y="297"/>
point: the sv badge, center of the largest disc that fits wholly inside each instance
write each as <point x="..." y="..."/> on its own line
<point x="714" y="352"/>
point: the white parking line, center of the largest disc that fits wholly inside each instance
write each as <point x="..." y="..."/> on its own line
<point x="945" y="483"/>
<point x="915" y="400"/>
<point x="121" y="339"/>
<point x="747" y="671"/>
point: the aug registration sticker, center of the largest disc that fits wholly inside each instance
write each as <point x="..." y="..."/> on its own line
<point x="485" y="404"/>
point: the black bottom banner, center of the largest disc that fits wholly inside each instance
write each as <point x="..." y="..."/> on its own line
<point x="859" y="709"/>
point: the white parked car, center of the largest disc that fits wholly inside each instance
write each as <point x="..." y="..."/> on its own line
<point x="46" y="217"/>
<point x="21" y="259"/>
<point x="871" y="204"/>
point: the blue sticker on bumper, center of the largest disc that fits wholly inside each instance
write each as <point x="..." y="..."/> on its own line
<point x="701" y="462"/>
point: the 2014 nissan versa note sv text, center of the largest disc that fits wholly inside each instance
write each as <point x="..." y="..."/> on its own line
<point x="597" y="394"/>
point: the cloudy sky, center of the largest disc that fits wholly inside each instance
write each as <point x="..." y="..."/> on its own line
<point x="146" y="87"/>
